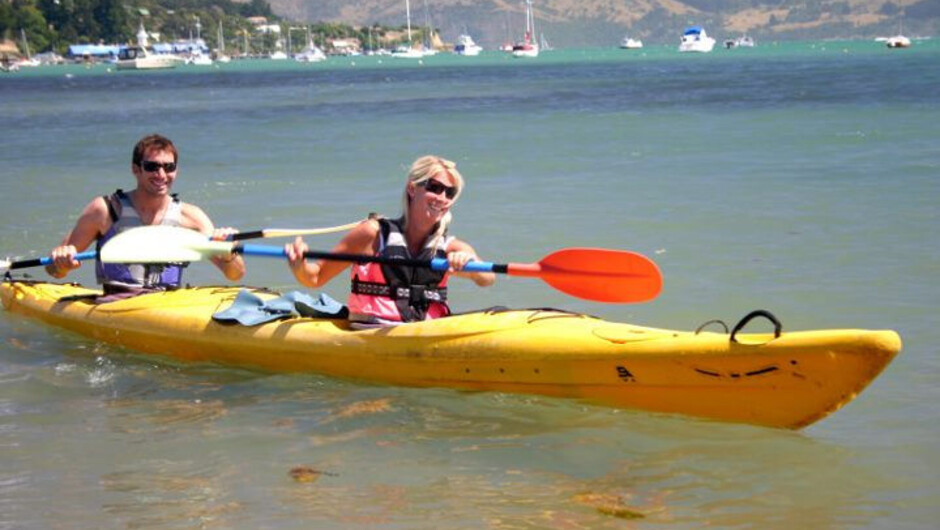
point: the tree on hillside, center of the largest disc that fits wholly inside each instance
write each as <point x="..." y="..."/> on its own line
<point x="114" y="20"/>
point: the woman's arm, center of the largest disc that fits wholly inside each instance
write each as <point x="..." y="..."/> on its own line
<point x="359" y="240"/>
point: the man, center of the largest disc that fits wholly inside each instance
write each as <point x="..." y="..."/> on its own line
<point x="154" y="165"/>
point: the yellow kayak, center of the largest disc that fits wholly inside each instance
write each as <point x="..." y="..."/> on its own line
<point x="790" y="380"/>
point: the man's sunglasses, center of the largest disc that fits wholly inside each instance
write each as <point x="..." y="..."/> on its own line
<point x="436" y="187"/>
<point x="152" y="167"/>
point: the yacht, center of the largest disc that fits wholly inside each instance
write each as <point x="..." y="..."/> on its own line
<point x="138" y="58"/>
<point x="466" y="46"/>
<point x="631" y="44"/>
<point x="898" y="41"/>
<point x="694" y="39"/>
<point x="311" y="54"/>
<point x="528" y="47"/>
<point x="407" y="52"/>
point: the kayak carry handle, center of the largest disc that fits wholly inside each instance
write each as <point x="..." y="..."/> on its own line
<point x="751" y="316"/>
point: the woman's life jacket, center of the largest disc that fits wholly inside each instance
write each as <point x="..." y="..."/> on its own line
<point x="396" y="293"/>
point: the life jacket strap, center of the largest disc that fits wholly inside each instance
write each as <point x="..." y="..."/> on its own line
<point x="415" y="293"/>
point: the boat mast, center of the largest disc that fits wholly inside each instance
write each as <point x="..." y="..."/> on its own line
<point x="408" y="17"/>
<point x="25" y="44"/>
<point x="529" y="22"/>
<point x="427" y="24"/>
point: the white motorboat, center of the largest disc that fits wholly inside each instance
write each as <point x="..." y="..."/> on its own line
<point x="694" y="39"/>
<point x="138" y="58"/>
<point x="466" y="46"/>
<point x="528" y="47"/>
<point x="631" y="44"/>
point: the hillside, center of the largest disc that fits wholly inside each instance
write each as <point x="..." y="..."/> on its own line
<point x="569" y="23"/>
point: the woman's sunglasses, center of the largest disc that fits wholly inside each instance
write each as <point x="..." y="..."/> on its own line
<point x="436" y="187"/>
<point x="152" y="167"/>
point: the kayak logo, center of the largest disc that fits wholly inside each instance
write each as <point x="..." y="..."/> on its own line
<point x="625" y="375"/>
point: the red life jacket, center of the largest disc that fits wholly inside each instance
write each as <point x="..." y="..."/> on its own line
<point x="397" y="293"/>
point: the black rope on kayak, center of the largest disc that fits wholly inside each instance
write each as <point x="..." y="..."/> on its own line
<point x="754" y="314"/>
<point x="715" y="321"/>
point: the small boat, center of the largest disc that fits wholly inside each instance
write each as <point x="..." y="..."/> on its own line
<point x="198" y="58"/>
<point x="528" y="47"/>
<point x="310" y="54"/>
<point x="466" y="46"/>
<point x="27" y="60"/>
<point x="410" y="51"/>
<point x="743" y="41"/>
<point x="631" y="44"/>
<point x="898" y="41"/>
<point x="785" y="380"/>
<point x="219" y="54"/>
<point x="407" y="52"/>
<point x="694" y="39"/>
<point x="138" y="58"/>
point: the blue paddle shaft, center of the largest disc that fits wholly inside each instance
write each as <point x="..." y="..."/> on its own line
<point x="437" y="264"/>
<point x="89" y="254"/>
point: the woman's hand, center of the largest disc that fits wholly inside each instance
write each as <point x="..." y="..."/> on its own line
<point x="459" y="259"/>
<point x="306" y="273"/>
<point x="295" y="253"/>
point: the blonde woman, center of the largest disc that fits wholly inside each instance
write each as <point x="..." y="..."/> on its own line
<point x="388" y="294"/>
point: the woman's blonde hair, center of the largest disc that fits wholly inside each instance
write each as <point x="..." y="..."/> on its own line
<point x="425" y="168"/>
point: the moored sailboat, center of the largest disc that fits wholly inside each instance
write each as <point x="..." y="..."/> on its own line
<point x="528" y="47"/>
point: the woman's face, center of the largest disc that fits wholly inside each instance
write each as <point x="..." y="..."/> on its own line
<point x="431" y="199"/>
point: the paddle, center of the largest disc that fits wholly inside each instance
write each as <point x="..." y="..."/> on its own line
<point x="7" y="265"/>
<point x="288" y="232"/>
<point x="601" y="275"/>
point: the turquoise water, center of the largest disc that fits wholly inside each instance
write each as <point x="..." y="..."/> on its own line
<point x="799" y="178"/>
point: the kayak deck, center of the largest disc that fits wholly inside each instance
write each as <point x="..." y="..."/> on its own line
<point x="788" y="381"/>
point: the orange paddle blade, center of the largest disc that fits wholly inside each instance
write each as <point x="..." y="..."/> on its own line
<point x="601" y="275"/>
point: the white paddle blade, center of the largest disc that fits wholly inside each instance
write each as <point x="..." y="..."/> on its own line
<point x="161" y="244"/>
<point x="5" y="265"/>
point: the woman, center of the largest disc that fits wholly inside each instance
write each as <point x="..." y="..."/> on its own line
<point x="392" y="294"/>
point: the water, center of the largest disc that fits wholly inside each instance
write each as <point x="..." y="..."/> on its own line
<point x="799" y="178"/>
